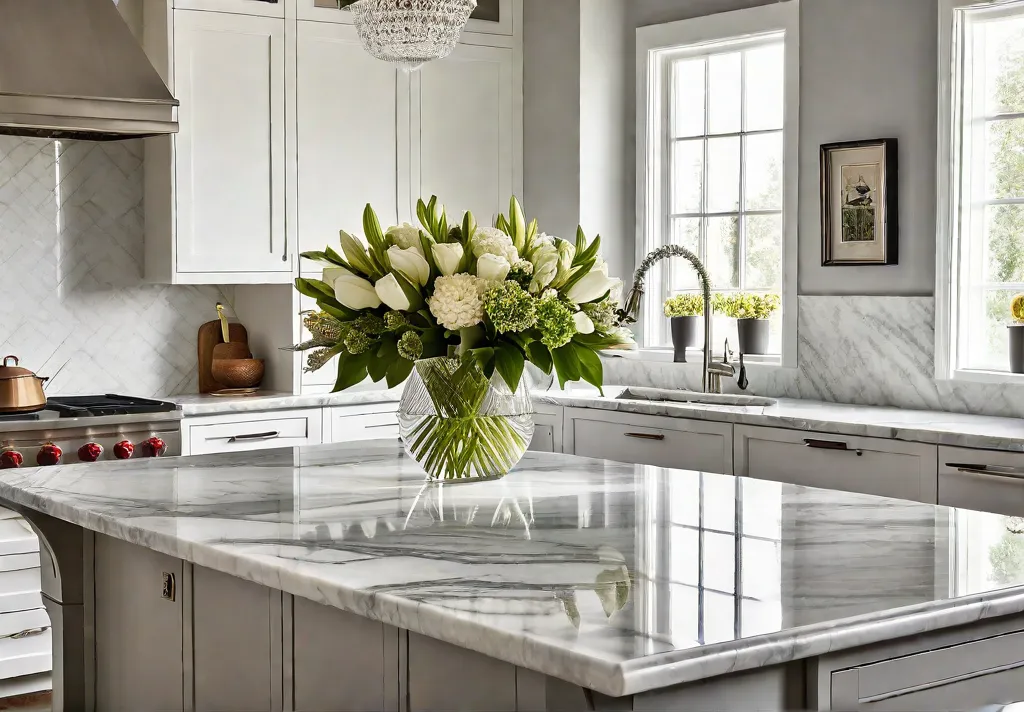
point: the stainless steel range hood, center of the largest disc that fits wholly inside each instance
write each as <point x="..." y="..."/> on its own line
<point x="73" y="69"/>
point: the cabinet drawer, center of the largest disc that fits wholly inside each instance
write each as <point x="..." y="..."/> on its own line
<point x="982" y="480"/>
<point x="17" y="537"/>
<point x="651" y="440"/>
<point x="25" y="633"/>
<point x="19" y="590"/>
<point x="349" y="425"/>
<point x="268" y="8"/>
<point x="958" y="677"/>
<point x="279" y="430"/>
<point x="886" y="468"/>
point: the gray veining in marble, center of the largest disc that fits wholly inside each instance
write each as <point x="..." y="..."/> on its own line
<point x="853" y="349"/>
<point x="202" y="405"/>
<point x="935" y="427"/>
<point x="603" y="574"/>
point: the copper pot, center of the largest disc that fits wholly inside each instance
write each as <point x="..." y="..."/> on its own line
<point x="21" y="391"/>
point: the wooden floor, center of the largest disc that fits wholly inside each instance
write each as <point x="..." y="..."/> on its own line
<point x="35" y="702"/>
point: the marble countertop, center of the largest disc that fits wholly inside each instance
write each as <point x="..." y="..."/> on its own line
<point x="619" y="578"/>
<point x="196" y="405"/>
<point x="940" y="428"/>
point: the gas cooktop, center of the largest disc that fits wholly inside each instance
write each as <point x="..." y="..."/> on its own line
<point x="92" y="406"/>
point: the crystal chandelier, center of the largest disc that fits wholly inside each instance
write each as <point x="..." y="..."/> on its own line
<point x="411" y="32"/>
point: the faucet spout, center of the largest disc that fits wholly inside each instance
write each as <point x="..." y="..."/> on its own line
<point x="630" y="311"/>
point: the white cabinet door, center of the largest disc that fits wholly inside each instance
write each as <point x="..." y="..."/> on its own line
<point x="347" y="144"/>
<point x="230" y="149"/>
<point x="887" y="468"/>
<point x="269" y="8"/>
<point x="467" y="149"/>
<point x="649" y="440"/>
<point x="982" y="480"/>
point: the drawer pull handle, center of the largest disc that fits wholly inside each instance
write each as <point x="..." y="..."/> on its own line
<point x="381" y="425"/>
<point x="991" y="470"/>
<point x="646" y="436"/>
<point x="254" y="437"/>
<point x="28" y="633"/>
<point x="830" y="445"/>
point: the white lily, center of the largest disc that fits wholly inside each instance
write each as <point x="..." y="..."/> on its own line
<point x="406" y="236"/>
<point x="391" y="293"/>
<point x="411" y="264"/>
<point x="584" y="324"/>
<point x="448" y="257"/>
<point x="593" y="286"/>
<point x="331" y="274"/>
<point x="545" y="269"/>
<point x="493" y="268"/>
<point x="355" y="292"/>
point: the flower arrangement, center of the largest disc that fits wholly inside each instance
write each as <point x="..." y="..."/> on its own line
<point x="499" y="296"/>
<point x="746" y="306"/>
<point x="684" y="305"/>
<point x="1017" y="309"/>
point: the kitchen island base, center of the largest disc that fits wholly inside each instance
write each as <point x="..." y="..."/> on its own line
<point x="135" y="629"/>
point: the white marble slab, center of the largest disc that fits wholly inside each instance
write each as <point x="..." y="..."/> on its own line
<point x="936" y="427"/>
<point x="200" y="405"/>
<point x="606" y="575"/>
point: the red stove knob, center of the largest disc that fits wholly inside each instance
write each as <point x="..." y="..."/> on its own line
<point x="10" y="459"/>
<point x="154" y="447"/>
<point x="90" y="452"/>
<point x="49" y="455"/>
<point x="124" y="450"/>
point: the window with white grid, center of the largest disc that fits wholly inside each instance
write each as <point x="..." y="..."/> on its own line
<point x="718" y="159"/>
<point x="981" y="196"/>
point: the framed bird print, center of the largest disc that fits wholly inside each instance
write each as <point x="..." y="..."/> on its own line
<point x="860" y="203"/>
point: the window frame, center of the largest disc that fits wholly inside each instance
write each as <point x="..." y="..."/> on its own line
<point x="954" y="84"/>
<point x="656" y="44"/>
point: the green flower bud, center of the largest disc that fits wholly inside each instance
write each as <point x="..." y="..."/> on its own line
<point x="410" y="346"/>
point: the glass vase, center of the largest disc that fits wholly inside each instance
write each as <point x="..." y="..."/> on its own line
<point x="460" y="425"/>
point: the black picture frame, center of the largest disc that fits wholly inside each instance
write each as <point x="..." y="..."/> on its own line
<point x="837" y="250"/>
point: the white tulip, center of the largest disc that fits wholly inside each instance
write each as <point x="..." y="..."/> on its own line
<point x="355" y="292"/>
<point x="448" y="257"/>
<point x="411" y="264"/>
<point x="406" y="237"/>
<point x="493" y="268"/>
<point x="545" y="269"/>
<point x="594" y="286"/>
<point x="392" y="294"/>
<point x="331" y="274"/>
<point x="584" y="324"/>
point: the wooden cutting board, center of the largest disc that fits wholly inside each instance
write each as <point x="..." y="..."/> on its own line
<point x="210" y="336"/>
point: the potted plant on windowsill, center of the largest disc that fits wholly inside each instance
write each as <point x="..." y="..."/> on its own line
<point x="685" y="312"/>
<point x="1016" y="329"/>
<point x="751" y="312"/>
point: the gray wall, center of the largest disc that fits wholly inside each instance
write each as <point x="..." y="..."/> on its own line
<point x="869" y="70"/>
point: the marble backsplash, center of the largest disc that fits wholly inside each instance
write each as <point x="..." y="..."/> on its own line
<point x="73" y="304"/>
<point x="862" y="350"/>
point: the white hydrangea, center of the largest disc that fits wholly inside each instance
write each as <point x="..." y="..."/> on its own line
<point x="458" y="301"/>
<point x="492" y="241"/>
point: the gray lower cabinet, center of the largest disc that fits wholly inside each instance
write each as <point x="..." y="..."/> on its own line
<point x="445" y="677"/>
<point x="649" y="440"/>
<point x="982" y="480"/>
<point x="138" y="631"/>
<point x="888" y="468"/>
<point x="547" y="433"/>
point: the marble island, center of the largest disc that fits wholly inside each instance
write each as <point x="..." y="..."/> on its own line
<point x="331" y="578"/>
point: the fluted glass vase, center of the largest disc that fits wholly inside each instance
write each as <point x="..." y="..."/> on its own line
<point x="460" y="425"/>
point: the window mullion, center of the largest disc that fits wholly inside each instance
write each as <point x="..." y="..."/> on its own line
<point x="741" y="222"/>
<point x="702" y="245"/>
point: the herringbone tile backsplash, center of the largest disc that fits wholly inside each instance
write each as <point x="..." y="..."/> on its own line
<point x="73" y="304"/>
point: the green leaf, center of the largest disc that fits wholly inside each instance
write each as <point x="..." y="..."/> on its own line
<point x="423" y="215"/>
<point x="580" y="272"/>
<point x="386" y="354"/>
<point x="433" y="343"/>
<point x="590" y="254"/>
<point x="372" y="230"/>
<point x="567" y="365"/>
<point x="531" y="233"/>
<point x="314" y="288"/>
<point x="509" y="363"/>
<point x="412" y="292"/>
<point x="336" y="310"/>
<point x="539" y="356"/>
<point x="581" y="240"/>
<point x="355" y="252"/>
<point x="468" y="227"/>
<point x="591" y="368"/>
<point x="484" y="357"/>
<point x="337" y="259"/>
<point x="398" y="371"/>
<point x="502" y="224"/>
<point x="351" y="370"/>
<point x="517" y="223"/>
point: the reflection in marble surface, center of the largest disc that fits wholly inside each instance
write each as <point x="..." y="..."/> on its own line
<point x="207" y="404"/>
<point x="615" y="577"/>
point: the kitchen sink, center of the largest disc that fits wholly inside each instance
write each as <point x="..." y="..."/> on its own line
<point x="659" y="395"/>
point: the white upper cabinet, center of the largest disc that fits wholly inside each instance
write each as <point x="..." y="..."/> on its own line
<point x="215" y="194"/>
<point x="268" y="8"/>
<point x="467" y="131"/>
<point x="347" y="128"/>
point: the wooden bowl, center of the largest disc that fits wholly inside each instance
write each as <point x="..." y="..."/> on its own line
<point x="238" y="372"/>
<point x="234" y="350"/>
